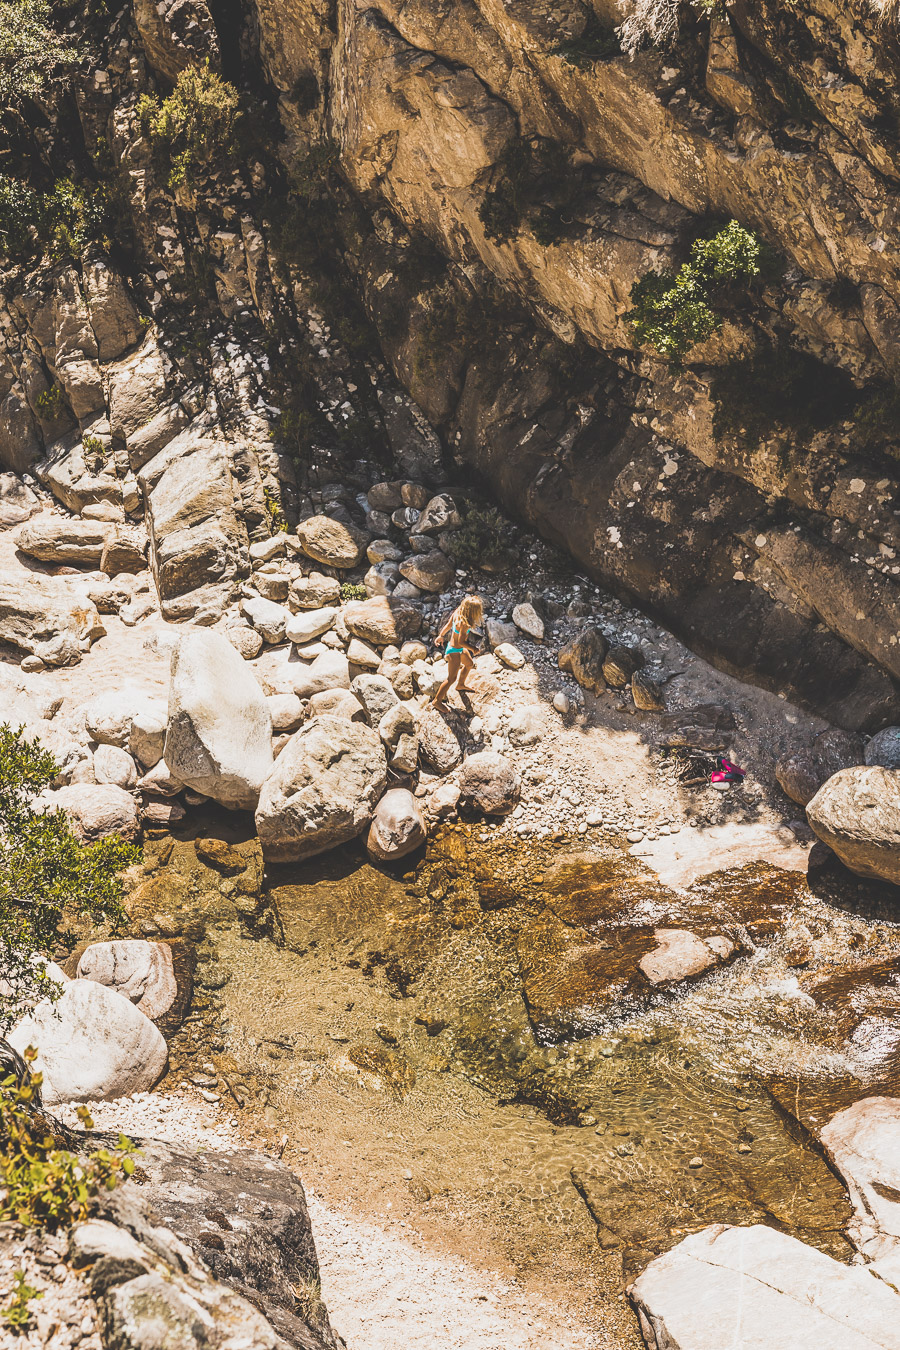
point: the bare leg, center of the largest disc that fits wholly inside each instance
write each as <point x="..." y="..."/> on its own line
<point x="466" y="664"/>
<point x="452" y="672"/>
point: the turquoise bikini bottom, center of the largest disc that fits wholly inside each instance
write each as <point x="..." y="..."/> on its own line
<point x="454" y="651"/>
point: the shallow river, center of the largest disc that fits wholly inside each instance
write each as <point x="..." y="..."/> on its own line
<point x="469" y="1047"/>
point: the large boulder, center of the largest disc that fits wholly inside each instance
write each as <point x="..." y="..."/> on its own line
<point x="331" y="542"/>
<point x="314" y="591"/>
<point x="429" y="571"/>
<point x="754" y="1288"/>
<point x="309" y="624"/>
<point x="44" y="618"/>
<point x="857" y="814"/>
<point x="142" y="971"/>
<point x="267" y="617"/>
<point x="322" y="790"/>
<point x="381" y="621"/>
<point x="801" y="773"/>
<point x="330" y="670"/>
<point x="64" y="541"/>
<point x="93" y="1044"/>
<point x="219" y="738"/>
<point x="583" y="659"/>
<point x="490" y="782"/>
<point x="97" y="810"/>
<point x="397" y="828"/>
<point x="376" y="694"/>
<point x="438" y="744"/>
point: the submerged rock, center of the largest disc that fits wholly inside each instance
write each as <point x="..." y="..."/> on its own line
<point x="322" y="790"/>
<point x="857" y="814"/>
<point x="219" y="738"/>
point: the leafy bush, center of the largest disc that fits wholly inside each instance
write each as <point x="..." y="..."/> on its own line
<point x="193" y="130"/>
<point x="483" y="540"/>
<point x="350" y="591"/>
<point x="30" y="50"/>
<point x="63" y="220"/>
<point x="43" y="1183"/>
<point x="45" y="873"/>
<point x="16" y="1312"/>
<point x="672" y="311"/>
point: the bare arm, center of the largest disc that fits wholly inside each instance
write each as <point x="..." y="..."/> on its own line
<point x="447" y="626"/>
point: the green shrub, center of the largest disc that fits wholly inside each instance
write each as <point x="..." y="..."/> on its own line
<point x="16" y="1312"/>
<point x="43" y="1184"/>
<point x="350" y="591"/>
<point x="673" y="311"/>
<point x="31" y="50"/>
<point x="46" y="873"/>
<point x="193" y="130"/>
<point x="62" y="221"/>
<point x="277" y="522"/>
<point x="483" y="540"/>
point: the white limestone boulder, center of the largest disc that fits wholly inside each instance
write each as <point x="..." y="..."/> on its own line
<point x="397" y="828"/>
<point x="322" y="790"/>
<point x="142" y="971"/>
<point x="857" y="814"/>
<point x="93" y="1044"/>
<point x="219" y="737"/>
<point x="758" y="1289"/>
<point x="97" y="810"/>
<point x="863" y="1143"/>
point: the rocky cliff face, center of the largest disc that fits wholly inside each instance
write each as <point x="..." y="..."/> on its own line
<point x="487" y="182"/>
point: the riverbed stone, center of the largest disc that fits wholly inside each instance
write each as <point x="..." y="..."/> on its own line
<point x="113" y="765"/>
<point x="857" y="814"/>
<point x="508" y="653"/>
<point x="361" y="655"/>
<point x="309" y="624"/>
<point x="438" y="514"/>
<point x="680" y="954"/>
<point x="330" y="670"/>
<point x="93" y="1044"/>
<point x="490" y="781"/>
<point x="245" y="640"/>
<point x="438" y="744"/>
<point x="219" y="736"/>
<point x="376" y="694"/>
<point x="98" y="810"/>
<point x="382" y="621"/>
<point x="756" y="1288"/>
<point x="286" y="712"/>
<point x="802" y="772"/>
<point x="863" y="1143"/>
<point x="429" y="571"/>
<point x="268" y="618"/>
<point x="884" y="749"/>
<point x="314" y="591"/>
<point x="528" y="621"/>
<point x="339" y="703"/>
<point x="398" y="826"/>
<point x="620" y="665"/>
<point x="583" y="659"/>
<point x="322" y="790"/>
<point x="331" y="542"/>
<point x="143" y="971"/>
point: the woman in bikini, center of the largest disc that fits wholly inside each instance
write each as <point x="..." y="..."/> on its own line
<point x="460" y="657"/>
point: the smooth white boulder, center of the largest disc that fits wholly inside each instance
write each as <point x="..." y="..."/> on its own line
<point x="863" y="1142"/>
<point x="309" y="623"/>
<point x="267" y="617"/>
<point x="758" y="1289"/>
<point x="219" y="738"/>
<point x="140" y="970"/>
<point x="331" y="670"/>
<point x="322" y="790"/>
<point x="113" y="765"/>
<point x="397" y="828"/>
<point x="96" y="810"/>
<point x="93" y="1044"/>
<point x="147" y="737"/>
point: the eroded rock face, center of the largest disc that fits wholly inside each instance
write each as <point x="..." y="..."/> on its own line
<point x="219" y="737"/>
<point x="857" y="814"/>
<point x="322" y="790"/>
<point x="93" y="1044"/>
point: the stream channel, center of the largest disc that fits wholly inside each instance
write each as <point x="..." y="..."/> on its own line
<point x="468" y="1045"/>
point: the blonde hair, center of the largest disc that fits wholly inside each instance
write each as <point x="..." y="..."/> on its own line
<point x="471" y="610"/>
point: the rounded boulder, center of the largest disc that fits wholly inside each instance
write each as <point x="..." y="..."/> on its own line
<point x="490" y="782"/>
<point x="397" y="828"/>
<point x="857" y="814"/>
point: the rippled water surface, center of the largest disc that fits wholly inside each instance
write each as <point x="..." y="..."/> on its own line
<point x="472" y="1039"/>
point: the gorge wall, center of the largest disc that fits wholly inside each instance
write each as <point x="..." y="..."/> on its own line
<point x="424" y="252"/>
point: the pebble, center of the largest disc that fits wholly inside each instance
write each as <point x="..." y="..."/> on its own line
<point x="696" y="1162"/>
<point x="634" y="836"/>
<point x="208" y="1096"/>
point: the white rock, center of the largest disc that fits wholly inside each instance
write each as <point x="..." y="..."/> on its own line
<point x="267" y="617"/>
<point x="308" y="624"/>
<point x="562" y="703"/>
<point x="112" y="765"/>
<point x="526" y="618"/>
<point x="140" y="970"/>
<point x="322" y="790"/>
<point x="147" y="736"/>
<point x="679" y="954"/>
<point x="509" y="655"/>
<point x="219" y="738"/>
<point x="160" y="781"/>
<point x="93" y="1044"/>
<point x="757" y="1289"/>
<point x="329" y="671"/>
<point x="245" y="640"/>
<point x="863" y="1142"/>
<point x="286" y="712"/>
<point x="108" y="717"/>
<point x="359" y="653"/>
<point x="397" y="828"/>
<point x="526" y="726"/>
<point x="97" y="810"/>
